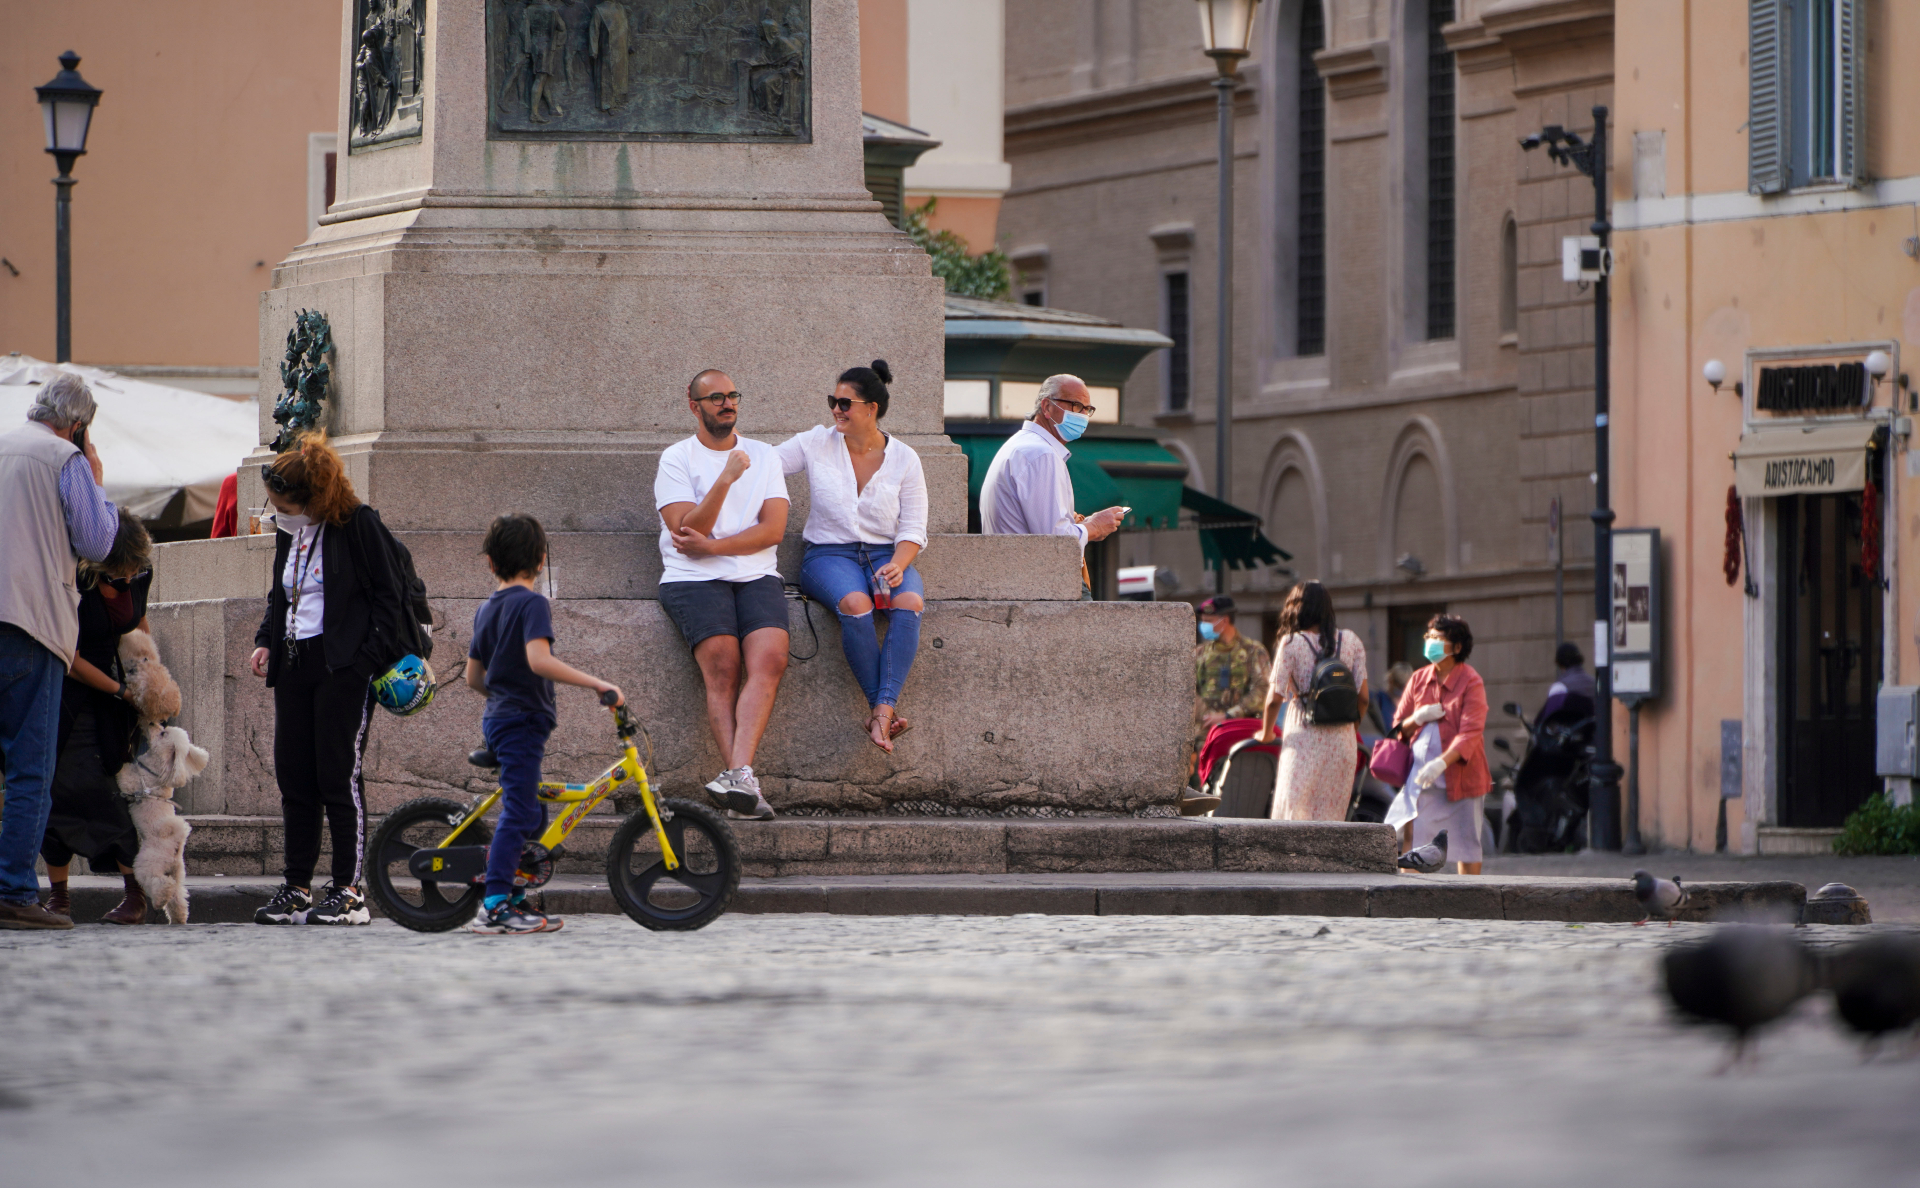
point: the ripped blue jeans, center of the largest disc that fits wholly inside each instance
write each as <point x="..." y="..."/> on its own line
<point x="829" y="573"/>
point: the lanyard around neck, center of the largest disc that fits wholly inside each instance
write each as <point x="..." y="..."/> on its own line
<point x="302" y="568"/>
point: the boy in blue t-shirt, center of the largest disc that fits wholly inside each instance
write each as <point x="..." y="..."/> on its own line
<point x="511" y="664"/>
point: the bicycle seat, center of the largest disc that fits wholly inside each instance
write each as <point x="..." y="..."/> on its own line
<point x="483" y="758"/>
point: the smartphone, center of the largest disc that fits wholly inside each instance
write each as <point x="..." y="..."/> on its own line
<point x="80" y="438"/>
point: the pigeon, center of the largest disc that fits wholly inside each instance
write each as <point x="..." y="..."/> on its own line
<point x="1741" y="978"/>
<point x="1876" y="987"/>
<point x="1658" y="897"/>
<point x="1428" y="858"/>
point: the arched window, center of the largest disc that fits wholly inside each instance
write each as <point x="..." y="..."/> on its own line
<point x="1310" y="300"/>
<point x="1509" y="276"/>
<point x="1440" y="173"/>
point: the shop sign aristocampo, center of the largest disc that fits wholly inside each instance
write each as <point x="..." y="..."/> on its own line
<point x="1803" y="459"/>
<point x="1801" y="474"/>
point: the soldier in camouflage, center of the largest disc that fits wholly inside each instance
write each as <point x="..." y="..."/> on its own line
<point x="1229" y="681"/>
<point x="1229" y="671"/>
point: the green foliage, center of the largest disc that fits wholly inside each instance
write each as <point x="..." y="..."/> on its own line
<point x="985" y="276"/>
<point x="1880" y="827"/>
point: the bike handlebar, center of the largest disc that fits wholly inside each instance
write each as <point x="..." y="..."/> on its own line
<point x="608" y="698"/>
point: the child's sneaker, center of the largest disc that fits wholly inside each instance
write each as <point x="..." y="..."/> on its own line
<point x="289" y="905"/>
<point x="341" y="905"/>
<point x="513" y="919"/>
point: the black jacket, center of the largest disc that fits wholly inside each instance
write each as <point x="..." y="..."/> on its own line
<point x="357" y="568"/>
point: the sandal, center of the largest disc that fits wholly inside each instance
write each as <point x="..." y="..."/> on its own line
<point x="886" y="746"/>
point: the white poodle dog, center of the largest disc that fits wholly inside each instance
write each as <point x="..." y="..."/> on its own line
<point x="164" y="759"/>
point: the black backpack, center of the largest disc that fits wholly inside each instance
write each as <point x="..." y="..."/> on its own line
<point x="412" y="633"/>
<point x="1333" y="696"/>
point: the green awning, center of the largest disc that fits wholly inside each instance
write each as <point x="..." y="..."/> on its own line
<point x="1146" y="476"/>
<point x="1230" y="537"/>
<point x="1106" y="472"/>
<point x="1143" y="475"/>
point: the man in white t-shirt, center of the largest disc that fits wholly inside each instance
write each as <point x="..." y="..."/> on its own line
<point x="723" y="509"/>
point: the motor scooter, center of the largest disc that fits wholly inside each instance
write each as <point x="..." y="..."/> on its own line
<point x="1549" y="785"/>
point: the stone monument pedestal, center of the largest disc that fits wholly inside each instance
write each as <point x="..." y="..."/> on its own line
<point x="517" y="305"/>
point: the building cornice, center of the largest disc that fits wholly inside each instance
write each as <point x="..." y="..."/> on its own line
<point x="1354" y="70"/>
<point x="1474" y="49"/>
<point x="1523" y="25"/>
<point x="1160" y="96"/>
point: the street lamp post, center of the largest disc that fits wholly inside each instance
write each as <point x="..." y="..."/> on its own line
<point x="1226" y="29"/>
<point x="1590" y="158"/>
<point x="67" y="105"/>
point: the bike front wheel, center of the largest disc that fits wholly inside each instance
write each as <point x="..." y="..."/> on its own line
<point x="404" y="898"/>
<point x="681" y="900"/>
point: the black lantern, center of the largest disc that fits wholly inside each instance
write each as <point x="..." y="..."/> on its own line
<point x="1226" y="30"/>
<point x="67" y="105"/>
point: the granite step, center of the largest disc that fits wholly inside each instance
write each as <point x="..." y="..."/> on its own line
<point x="228" y="900"/>
<point x="824" y="846"/>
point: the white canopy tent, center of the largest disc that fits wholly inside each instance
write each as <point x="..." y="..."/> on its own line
<point x="154" y="442"/>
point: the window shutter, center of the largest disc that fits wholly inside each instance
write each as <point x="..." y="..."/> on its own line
<point x="1767" y="60"/>
<point x="1851" y="18"/>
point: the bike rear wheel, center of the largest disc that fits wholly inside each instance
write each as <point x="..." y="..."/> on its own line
<point x="407" y="900"/>
<point x="679" y="900"/>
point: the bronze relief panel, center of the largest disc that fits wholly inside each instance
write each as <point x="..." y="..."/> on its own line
<point x="389" y="65"/>
<point x="687" y="70"/>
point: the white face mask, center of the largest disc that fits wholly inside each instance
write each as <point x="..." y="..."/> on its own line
<point x="291" y="523"/>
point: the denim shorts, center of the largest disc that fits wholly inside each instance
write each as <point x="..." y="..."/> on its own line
<point x="702" y="610"/>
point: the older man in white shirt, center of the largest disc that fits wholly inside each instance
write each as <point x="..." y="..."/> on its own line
<point x="1027" y="489"/>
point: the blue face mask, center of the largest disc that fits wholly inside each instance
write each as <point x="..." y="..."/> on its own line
<point x="1435" y="651"/>
<point x="1208" y="630"/>
<point x="1071" y="426"/>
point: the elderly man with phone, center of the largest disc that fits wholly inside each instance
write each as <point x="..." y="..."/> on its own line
<point x="1027" y="489"/>
<point x="50" y="488"/>
<point x="723" y="509"/>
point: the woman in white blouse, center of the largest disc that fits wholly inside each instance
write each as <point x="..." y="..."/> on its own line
<point x="867" y="524"/>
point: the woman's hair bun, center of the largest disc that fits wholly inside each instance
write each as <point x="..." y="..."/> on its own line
<point x="881" y="369"/>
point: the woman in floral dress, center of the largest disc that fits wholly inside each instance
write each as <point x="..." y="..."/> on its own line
<point x="1315" y="782"/>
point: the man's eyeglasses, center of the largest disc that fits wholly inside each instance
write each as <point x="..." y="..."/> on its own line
<point x="1085" y="410"/>
<point x="844" y="403"/>
<point x="720" y="399"/>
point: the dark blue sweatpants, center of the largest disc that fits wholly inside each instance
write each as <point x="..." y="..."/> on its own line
<point x="520" y="744"/>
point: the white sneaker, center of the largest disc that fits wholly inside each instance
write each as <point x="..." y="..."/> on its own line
<point x="735" y="790"/>
<point x="761" y="810"/>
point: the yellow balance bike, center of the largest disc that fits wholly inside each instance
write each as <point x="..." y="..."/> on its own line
<point x="672" y="864"/>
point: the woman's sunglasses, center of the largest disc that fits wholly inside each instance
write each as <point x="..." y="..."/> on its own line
<point x="278" y="483"/>
<point x="844" y="403"/>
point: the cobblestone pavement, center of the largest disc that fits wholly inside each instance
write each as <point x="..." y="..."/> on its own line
<point x="1890" y="883"/>
<point x="827" y="1050"/>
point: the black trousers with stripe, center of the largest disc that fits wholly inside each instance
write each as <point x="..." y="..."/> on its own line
<point x="320" y="722"/>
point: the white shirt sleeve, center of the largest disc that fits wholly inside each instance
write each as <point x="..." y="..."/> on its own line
<point x="776" y="487"/>
<point x="671" y="482"/>
<point x="913" y="505"/>
<point x="793" y="452"/>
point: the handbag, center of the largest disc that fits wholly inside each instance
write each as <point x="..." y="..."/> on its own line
<point x="1391" y="762"/>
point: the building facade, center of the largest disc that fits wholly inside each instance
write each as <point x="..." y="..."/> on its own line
<point x="1412" y="380"/>
<point x="207" y="162"/>
<point x="1766" y="177"/>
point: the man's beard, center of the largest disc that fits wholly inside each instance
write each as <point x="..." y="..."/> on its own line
<point x="714" y="426"/>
